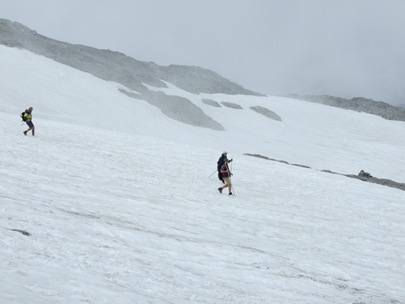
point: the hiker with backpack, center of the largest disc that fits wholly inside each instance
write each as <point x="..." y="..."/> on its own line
<point x="226" y="176"/>
<point x="27" y="118"/>
<point x="220" y="162"/>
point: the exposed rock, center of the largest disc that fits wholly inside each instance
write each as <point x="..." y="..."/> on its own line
<point x="302" y="166"/>
<point x="211" y="102"/>
<point x="130" y="94"/>
<point x="364" y="176"/>
<point x="380" y="181"/>
<point x="181" y="109"/>
<point x="265" y="157"/>
<point x="177" y="108"/>
<point x="266" y="112"/>
<point x="231" y="105"/>
<point x="359" y="104"/>
<point x="197" y="80"/>
<point x="21" y="231"/>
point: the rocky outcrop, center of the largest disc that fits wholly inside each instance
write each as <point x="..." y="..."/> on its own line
<point x="211" y="102"/>
<point x="363" y="176"/>
<point x="266" y="112"/>
<point x="359" y="104"/>
<point x="231" y="105"/>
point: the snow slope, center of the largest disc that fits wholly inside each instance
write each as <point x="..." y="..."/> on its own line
<point x="309" y="134"/>
<point x="119" y="207"/>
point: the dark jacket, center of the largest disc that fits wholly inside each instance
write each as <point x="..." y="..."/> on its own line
<point x="221" y="161"/>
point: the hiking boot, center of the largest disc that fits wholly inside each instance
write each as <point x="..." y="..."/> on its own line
<point x="25" y="132"/>
<point x="230" y="193"/>
<point x="220" y="190"/>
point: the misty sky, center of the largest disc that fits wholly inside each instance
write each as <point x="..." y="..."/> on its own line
<point x="345" y="48"/>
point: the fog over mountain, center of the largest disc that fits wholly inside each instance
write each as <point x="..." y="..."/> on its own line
<point x="134" y="74"/>
<point x="338" y="48"/>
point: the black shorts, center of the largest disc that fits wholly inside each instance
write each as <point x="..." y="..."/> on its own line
<point x="29" y="123"/>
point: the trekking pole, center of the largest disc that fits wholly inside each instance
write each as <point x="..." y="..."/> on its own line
<point x="212" y="174"/>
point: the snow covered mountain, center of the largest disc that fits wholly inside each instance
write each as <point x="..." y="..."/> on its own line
<point x="133" y="74"/>
<point x="113" y="200"/>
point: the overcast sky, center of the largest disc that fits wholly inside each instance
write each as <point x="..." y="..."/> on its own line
<point x="345" y="48"/>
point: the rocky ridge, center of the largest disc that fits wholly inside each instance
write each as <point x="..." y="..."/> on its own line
<point x="359" y="104"/>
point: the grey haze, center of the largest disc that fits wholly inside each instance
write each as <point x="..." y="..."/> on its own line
<point x="340" y="48"/>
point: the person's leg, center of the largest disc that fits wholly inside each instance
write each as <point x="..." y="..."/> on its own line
<point x="225" y="180"/>
<point x="30" y="128"/>
<point x="229" y="186"/>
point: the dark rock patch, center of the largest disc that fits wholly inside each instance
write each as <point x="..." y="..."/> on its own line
<point x="301" y="166"/>
<point x="358" y="104"/>
<point x="266" y="112"/>
<point x="362" y="175"/>
<point x="22" y="232"/>
<point x="380" y="181"/>
<point x="232" y="105"/>
<point x="177" y="108"/>
<point x="211" y="102"/>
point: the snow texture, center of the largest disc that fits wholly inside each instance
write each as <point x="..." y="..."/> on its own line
<point x="114" y="202"/>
